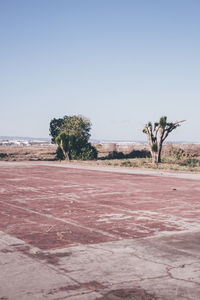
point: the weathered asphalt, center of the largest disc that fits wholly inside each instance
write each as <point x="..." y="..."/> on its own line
<point x="70" y="232"/>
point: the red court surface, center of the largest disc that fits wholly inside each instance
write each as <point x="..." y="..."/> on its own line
<point x="58" y="207"/>
<point x="50" y="208"/>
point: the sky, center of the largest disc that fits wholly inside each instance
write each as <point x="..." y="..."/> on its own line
<point x="120" y="63"/>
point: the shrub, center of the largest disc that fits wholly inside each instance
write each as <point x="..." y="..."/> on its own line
<point x="59" y="154"/>
<point x="87" y="152"/>
<point x="190" y="162"/>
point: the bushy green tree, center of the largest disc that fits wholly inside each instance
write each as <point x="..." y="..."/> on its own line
<point x="72" y="135"/>
<point x="157" y="134"/>
<point x="55" y="127"/>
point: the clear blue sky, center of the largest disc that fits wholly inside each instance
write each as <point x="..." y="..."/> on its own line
<point x="120" y="63"/>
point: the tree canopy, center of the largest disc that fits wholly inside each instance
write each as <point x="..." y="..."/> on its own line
<point x="72" y="134"/>
<point x="55" y="127"/>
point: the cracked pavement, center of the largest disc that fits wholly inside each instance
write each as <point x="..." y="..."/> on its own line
<point x="71" y="238"/>
<point x="154" y="265"/>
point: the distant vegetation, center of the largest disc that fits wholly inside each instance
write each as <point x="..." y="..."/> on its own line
<point x="180" y="157"/>
<point x="175" y="157"/>
<point x="71" y="134"/>
<point x="70" y="141"/>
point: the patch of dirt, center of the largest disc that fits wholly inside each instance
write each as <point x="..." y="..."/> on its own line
<point x="128" y="294"/>
<point x="92" y="285"/>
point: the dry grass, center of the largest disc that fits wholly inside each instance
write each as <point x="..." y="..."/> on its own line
<point x="187" y="165"/>
<point x="175" y="157"/>
<point x="21" y="153"/>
